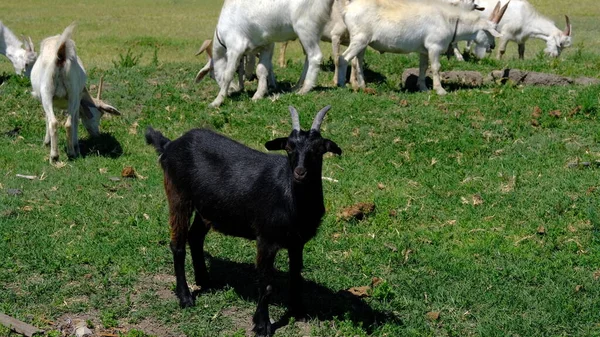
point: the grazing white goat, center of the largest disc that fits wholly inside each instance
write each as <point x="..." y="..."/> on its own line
<point x="58" y="80"/>
<point x="522" y="22"/>
<point x="249" y="27"/>
<point x="426" y="27"/>
<point x="11" y="47"/>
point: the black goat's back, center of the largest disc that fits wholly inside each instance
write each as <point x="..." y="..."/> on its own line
<point x="235" y="188"/>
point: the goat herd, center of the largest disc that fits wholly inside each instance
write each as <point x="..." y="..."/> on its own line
<point x="274" y="199"/>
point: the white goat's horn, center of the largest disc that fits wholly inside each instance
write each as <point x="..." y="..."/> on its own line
<point x="295" y="118"/>
<point x="567" y="31"/>
<point x="495" y="11"/>
<point x="502" y="11"/>
<point x="319" y="118"/>
<point x="100" y="87"/>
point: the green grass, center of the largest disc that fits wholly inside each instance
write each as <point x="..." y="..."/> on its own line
<point x="76" y="243"/>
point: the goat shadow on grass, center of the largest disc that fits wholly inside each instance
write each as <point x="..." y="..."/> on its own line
<point x="105" y="145"/>
<point x="371" y="76"/>
<point x="321" y="302"/>
<point x="410" y="84"/>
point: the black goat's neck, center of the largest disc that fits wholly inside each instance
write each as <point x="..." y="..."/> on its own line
<point x="308" y="198"/>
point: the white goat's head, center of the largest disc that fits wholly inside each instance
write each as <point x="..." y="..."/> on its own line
<point x="558" y="41"/>
<point x="486" y="37"/>
<point x="91" y="109"/>
<point x="22" y="58"/>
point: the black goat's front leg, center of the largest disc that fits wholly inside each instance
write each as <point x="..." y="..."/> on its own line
<point x="265" y="258"/>
<point x="297" y="309"/>
<point x="196" y="237"/>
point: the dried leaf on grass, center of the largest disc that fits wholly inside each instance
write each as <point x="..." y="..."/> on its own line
<point x="555" y="113"/>
<point x="509" y="186"/>
<point x="541" y="230"/>
<point x="129" y="172"/>
<point x="357" y="211"/>
<point x="433" y="315"/>
<point x="391" y="247"/>
<point x="537" y="112"/>
<point x="476" y="200"/>
<point x="133" y="128"/>
<point x="406" y="254"/>
<point x="364" y="291"/>
<point x="596" y="275"/>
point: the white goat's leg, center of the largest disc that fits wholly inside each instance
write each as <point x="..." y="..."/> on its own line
<point x="357" y="44"/>
<point x="502" y="47"/>
<point x="335" y="54"/>
<point x="313" y="59"/>
<point x="423" y="64"/>
<point x="72" y="125"/>
<point x="434" y="57"/>
<point x="357" y="75"/>
<point x="262" y="71"/>
<point x="232" y="61"/>
<point x="457" y="52"/>
<point x="51" y="126"/>
<point x="521" y="50"/>
<point x="282" y="49"/>
<point x="47" y="136"/>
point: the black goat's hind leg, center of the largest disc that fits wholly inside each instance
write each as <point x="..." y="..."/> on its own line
<point x="265" y="258"/>
<point x="196" y="241"/>
<point x="179" y="220"/>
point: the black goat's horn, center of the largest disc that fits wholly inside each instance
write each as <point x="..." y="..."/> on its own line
<point x="295" y="118"/>
<point x="319" y="118"/>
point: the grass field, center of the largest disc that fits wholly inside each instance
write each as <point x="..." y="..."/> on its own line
<point x="486" y="211"/>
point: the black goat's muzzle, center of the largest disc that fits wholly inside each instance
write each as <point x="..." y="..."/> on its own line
<point x="299" y="174"/>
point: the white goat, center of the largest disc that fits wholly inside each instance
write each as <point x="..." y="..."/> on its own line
<point x="522" y="21"/>
<point x="252" y="27"/>
<point x="11" y="47"/>
<point x="426" y="27"/>
<point x="58" y="80"/>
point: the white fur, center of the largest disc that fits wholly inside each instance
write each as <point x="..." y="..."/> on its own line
<point x="11" y="47"/>
<point x="521" y="22"/>
<point x="426" y="27"/>
<point x="58" y="81"/>
<point x="336" y="32"/>
<point x="252" y="26"/>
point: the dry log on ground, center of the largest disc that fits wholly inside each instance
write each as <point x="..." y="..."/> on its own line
<point x="18" y="326"/>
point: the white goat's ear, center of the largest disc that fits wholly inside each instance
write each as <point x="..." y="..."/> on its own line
<point x="206" y="46"/>
<point x="204" y="71"/>
<point x="494" y="32"/>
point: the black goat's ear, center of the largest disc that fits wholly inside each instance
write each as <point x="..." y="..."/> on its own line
<point x="276" y="144"/>
<point x="331" y="146"/>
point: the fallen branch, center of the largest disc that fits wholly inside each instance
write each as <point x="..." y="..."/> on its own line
<point x="18" y="326"/>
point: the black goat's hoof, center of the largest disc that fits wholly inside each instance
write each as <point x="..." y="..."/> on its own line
<point x="265" y="330"/>
<point x="187" y="302"/>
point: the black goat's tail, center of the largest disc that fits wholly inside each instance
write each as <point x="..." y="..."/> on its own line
<point x="156" y="139"/>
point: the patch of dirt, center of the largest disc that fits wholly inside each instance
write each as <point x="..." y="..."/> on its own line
<point x="240" y="318"/>
<point x="65" y="324"/>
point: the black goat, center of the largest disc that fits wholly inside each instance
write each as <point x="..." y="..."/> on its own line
<point x="273" y="199"/>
